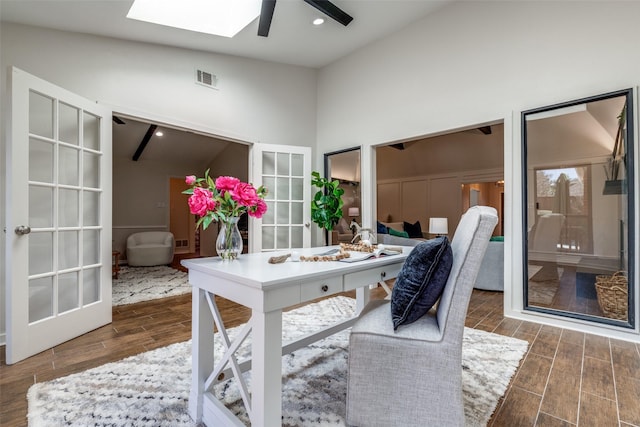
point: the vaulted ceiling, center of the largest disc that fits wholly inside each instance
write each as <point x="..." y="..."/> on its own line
<point x="292" y="37"/>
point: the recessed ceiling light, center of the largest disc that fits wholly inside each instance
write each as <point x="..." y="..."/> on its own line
<point x="219" y="17"/>
<point x="318" y="21"/>
<point x="159" y="133"/>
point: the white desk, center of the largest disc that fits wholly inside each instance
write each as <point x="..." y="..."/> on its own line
<point x="266" y="289"/>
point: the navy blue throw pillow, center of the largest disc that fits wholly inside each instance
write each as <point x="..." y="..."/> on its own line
<point x="421" y="281"/>
<point x="414" y="230"/>
<point x="382" y="229"/>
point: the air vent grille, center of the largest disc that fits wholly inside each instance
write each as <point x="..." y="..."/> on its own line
<point x="206" y="78"/>
<point x="182" y="243"/>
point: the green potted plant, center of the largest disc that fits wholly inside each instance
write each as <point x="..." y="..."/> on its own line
<point x="326" y="205"/>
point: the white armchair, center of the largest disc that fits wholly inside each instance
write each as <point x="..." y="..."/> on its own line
<point x="413" y="376"/>
<point x="149" y="248"/>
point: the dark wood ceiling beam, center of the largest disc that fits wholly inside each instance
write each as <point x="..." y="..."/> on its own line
<point x="266" y="15"/>
<point x="331" y="10"/>
<point x="485" y="130"/>
<point x="144" y="142"/>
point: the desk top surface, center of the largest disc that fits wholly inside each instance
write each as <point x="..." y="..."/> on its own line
<point x="254" y="269"/>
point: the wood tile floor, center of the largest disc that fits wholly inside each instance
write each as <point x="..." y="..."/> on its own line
<point x="566" y="378"/>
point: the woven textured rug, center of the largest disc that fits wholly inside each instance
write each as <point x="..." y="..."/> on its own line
<point x="135" y="284"/>
<point x="152" y="388"/>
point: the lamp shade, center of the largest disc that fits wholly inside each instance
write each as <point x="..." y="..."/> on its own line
<point x="438" y="226"/>
<point x="354" y="212"/>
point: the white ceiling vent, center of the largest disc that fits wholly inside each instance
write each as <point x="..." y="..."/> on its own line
<point x="205" y="78"/>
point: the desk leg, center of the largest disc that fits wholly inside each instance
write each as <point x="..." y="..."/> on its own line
<point x="362" y="298"/>
<point x="202" y="351"/>
<point x="266" y="369"/>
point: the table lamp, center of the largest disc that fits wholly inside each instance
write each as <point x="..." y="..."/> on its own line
<point x="438" y="226"/>
<point x="354" y="212"/>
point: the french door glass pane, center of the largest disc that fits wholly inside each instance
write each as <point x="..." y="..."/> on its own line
<point x="68" y="128"/>
<point x="91" y="131"/>
<point x="282" y="237"/>
<point x="282" y="188"/>
<point x="68" y="295"/>
<point x="297" y="210"/>
<point x="68" y="208"/>
<point x="269" y="216"/>
<point x="296" y="237"/>
<point x="297" y="188"/>
<point x="269" y="163"/>
<point x="91" y="170"/>
<point x="91" y="245"/>
<point x="283" y="164"/>
<point x="40" y="253"/>
<point x="40" y="161"/>
<point x="90" y="285"/>
<point x="91" y="208"/>
<point x="297" y="165"/>
<point x="68" y="159"/>
<point x="270" y="184"/>
<point x="40" y="298"/>
<point x="40" y="207"/>
<point x="282" y="212"/>
<point x="40" y="115"/>
<point x="67" y="249"/>
<point x="268" y="238"/>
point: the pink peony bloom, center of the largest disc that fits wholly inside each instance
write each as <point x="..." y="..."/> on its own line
<point x="190" y="180"/>
<point x="201" y="202"/>
<point x="259" y="209"/>
<point x="245" y="194"/>
<point x="226" y="183"/>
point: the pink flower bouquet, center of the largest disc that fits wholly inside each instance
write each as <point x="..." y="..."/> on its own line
<point x="223" y="199"/>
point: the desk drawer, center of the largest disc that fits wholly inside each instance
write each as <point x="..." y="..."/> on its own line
<point x="371" y="276"/>
<point x="320" y="288"/>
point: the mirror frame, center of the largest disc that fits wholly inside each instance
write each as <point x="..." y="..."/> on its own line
<point x="326" y="172"/>
<point x="631" y="202"/>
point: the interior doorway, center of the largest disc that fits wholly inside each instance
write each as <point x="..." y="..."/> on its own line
<point x="181" y="222"/>
<point x="489" y="193"/>
<point x="150" y="161"/>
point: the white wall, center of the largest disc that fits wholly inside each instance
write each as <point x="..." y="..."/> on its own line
<point x="473" y="63"/>
<point x="257" y="101"/>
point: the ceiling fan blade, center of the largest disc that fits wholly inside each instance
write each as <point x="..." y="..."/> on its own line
<point x="331" y="10"/>
<point x="485" y="130"/>
<point x="266" y="15"/>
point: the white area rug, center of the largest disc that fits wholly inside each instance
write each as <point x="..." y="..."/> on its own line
<point x="135" y="284"/>
<point x="152" y="388"/>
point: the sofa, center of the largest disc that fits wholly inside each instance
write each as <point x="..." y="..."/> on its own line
<point x="150" y="248"/>
<point x="400" y="233"/>
<point x="491" y="274"/>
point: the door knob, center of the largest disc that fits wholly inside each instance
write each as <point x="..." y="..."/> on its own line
<point x="21" y="230"/>
<point x="307" y="224"/>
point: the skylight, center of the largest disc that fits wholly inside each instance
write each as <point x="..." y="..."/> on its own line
<point x="219" y="17"/>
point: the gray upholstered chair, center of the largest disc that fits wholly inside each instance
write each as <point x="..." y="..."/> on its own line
<point x="413" y="376"/>
<point x="149" y="248"/>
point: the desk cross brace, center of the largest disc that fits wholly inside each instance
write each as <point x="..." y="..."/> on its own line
<point x="229" y="357"/>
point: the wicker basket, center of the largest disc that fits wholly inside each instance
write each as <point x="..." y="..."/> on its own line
<point x="613" y="295"/>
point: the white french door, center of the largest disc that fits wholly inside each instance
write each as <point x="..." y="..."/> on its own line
<point x="58" y="211"/>
<point x="286" y="172"/>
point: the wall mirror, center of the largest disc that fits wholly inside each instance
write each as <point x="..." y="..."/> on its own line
<point x="345" y="167"/>
<point x="579" y="209"/>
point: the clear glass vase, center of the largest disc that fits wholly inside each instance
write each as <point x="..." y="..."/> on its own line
<point x="229" y="241"/>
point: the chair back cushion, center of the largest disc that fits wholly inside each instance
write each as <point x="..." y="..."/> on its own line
<point x="420" y="281"/>
<point x="468" y="246"/>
